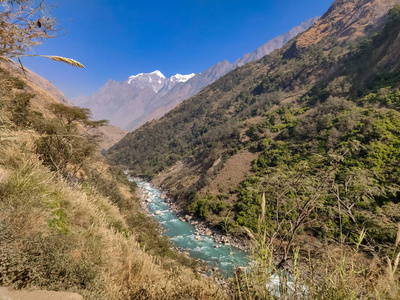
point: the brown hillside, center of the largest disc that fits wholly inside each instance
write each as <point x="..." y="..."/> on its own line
<point x="46" y="93"/>
<point x="347" y="20"/>
<point x="69" y="221"/>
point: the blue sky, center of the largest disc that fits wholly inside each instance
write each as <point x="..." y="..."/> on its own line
<point x="116" y="39"/>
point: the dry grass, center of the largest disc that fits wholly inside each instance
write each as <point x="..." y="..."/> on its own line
<point x="332" y="272"/>
<point x="69" y="61"/>
<point x="65" y="236"/>
<point x="84" y="242"/>
<point x="233" y="172"/>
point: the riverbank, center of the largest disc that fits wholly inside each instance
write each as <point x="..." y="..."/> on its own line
<point x="190" y="236"/>
<point x="202" y="228"/>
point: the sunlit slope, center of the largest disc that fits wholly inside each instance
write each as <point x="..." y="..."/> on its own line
<point x="69" y="221"/>
<point x="304" y="102"/>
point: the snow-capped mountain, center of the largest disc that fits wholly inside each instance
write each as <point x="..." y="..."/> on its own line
<point x="178" y="78"/>
<point x="124" y="101"/>
<point x="147" y="96"/>
<point x="181" y="78"/>
<point x="157" y="81"/>
<point x="154" y="80"/>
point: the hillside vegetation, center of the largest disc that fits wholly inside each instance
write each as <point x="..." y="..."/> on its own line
<point x="69" y="221"/>
<point x="322" y="116"/>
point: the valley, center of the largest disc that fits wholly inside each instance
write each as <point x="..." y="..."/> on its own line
<point x="316" y="168"/>
<point x="189" y="236"/>
<point x="273" y="177"/>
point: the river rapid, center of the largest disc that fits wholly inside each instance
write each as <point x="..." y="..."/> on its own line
<point x="183" y="234"/>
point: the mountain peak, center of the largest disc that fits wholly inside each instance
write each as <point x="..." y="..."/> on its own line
<point x="154" y="80"/>
<point x="158" y="73"/>
<point x="181" y="78"/>
<point x="157" y="81"/>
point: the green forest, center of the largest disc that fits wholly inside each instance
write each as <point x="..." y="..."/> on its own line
<point x="327" y="145"/>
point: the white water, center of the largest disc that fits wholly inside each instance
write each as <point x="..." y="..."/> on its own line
<point x="182" y="234"/>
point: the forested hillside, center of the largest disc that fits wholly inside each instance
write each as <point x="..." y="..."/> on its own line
<point x="321" y="119"/>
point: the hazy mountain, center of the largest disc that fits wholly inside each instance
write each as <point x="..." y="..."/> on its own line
<point x="275" y="43"/>
<point x="147" y="96"/>
<point x="120" y="102"/>
<point x="181" y="92"/>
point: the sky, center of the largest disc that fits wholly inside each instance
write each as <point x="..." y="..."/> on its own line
<point x="117" y="39"/>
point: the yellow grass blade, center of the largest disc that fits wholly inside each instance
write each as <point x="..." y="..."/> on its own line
<point x="66" y="60"/>
<point x="263" y="206"/>
<point x="69" y="61"/>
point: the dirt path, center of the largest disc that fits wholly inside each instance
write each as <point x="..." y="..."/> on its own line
<point x="6" y="294"/>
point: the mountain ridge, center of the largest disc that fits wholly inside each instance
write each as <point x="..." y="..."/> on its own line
<point x="157" y="81"/>
<point x="164" y="99"/>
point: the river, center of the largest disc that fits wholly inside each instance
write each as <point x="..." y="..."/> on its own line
<point x="182" y="234"/>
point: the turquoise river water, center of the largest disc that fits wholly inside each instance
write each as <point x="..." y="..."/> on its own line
<point x="182" y="234"/>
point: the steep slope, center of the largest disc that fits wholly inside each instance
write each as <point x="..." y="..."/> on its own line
<point x="110" y="134"/>
<point x="322" y="109"/>
<point x="349" y="20"/>
<point x="41" y="82"/>
<point x="69" y="221"/>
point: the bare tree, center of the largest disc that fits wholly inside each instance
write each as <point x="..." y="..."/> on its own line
<point x="24" y="26"/>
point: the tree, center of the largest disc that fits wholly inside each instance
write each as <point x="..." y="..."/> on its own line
<point x="62" y="144"/>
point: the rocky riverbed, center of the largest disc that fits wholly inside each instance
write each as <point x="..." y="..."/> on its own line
<point x="201" y="226"/>
<point x="192" y="235"/>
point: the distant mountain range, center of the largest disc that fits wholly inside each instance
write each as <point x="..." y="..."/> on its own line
<point x="147" y="96"/>
<point x="157" y="81"/>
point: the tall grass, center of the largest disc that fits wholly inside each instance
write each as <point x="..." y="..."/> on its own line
<point x="333" y="271"/>
<point x="79" y="232"/>
<point x="61" y="237"/>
